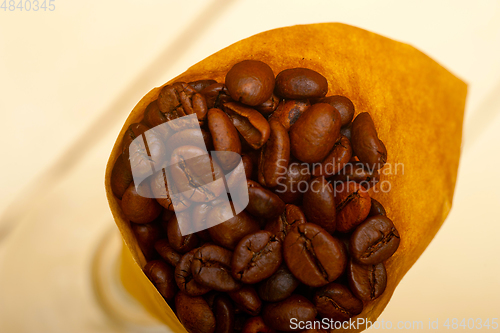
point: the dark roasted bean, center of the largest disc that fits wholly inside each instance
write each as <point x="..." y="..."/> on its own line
<point x="194" y="313"/>
<point x="184" y="276"/>
<point x="365" y="142"/>
<point x="300" y="83"/>
<point x="262" y="202"/>
<point x="335" y="301"/>
<point x="167" y="252"/>
<point x="138" y="208"/>
<point x="289" y="111"/>
<point x="121" y="176"/>
<point x="374" y="240"/>
<point x="250" y="82"/>
<point x="376" y="208"/>
<point x="279" y="286"/>
<point x="336" y="159"/>
<point x="281" y="225"/>
<point x="247" y="299"/>
<point x="252" y="126"/>
<point x="275" y="155"/>
<point x="353" y="204"/>
<point x="319" y="204"/>
<point x="279" y="315"/>
<point x="147" y="234"/>
<point x="224" y="314"/>
<point x="367" y="282"/>
<point x="343" y="105"/>
<point x="176" y="240"/>
<point x="225" y="138"/>
<point x="293" y="182"/>
<point x="162" y="276"/>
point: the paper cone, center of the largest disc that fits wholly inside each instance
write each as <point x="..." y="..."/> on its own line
<point x="417" y="107"/>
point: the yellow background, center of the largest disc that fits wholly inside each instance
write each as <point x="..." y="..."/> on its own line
<point x="69" y="78"/>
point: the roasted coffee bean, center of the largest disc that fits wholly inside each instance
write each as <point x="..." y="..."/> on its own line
<point x="189" y="137"/>
<point x="194" y="313"/>
<point x="319" y="204"/>
<point x="252" y="126"/>
<point x="313" y="255"/>
<point x="262" y="202"/>
<point x="180" y="99"/>
<point x="376" y="208"/>
<point x="138" y="208"/>
<point x="247" y="299"/>
<point x="134" y="130"/>
<point x="288" y="111"/>
<point x="274" y="156"/>
<point x="167" y="252"/>
<point x="336" y="159"/>
<point x="268" y="106"/>
<point x="230" y="232"/>
<point x="162" y="276"/>
<point x="225" y="138"/>
<point x="199" y="85"/>
<point x="352" y="204"/>
<point x="365" y="142"/>
<point x="256" y="257"/>
<point x="153" y="118"/>
<point x="374" y="240"/>
<point x="211" y="267"/>
<point x="347" y="131"/>
<point x="248" y="165"/>
<point x="367" y="282"/>
<point x="160" y="190"/>
<point x="147" y="234"/>
<point x="224" y="314"/>
<point x="314" y="134"/>
<point x="216" y="95"/>
<point x="121" y="176"/>
<point x="300" y="83"/>
<point x="184" y="276"/>
<point x="335" y="301"/>
<point x="250" y="82"/>
<point x="176" y="240"/>
<point x="293" y="182"/>
<point x="357" y="172"/>
<point x="194" y="172"/>
<point x="256" y="325"/>
<point x="279" y="286"/>
<point x="290" y="218"/>
<point x="343" y="105"/>
<point x="199" y="217"/>
<point x="279" y="315"/>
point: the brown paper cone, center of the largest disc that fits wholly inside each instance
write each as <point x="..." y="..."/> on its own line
<point x="417" y="107"/>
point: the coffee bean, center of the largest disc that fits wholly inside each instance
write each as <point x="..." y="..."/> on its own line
<point x="250" y="82"/>
<point x="138" y="208"/>
<point x="335" y="301"/>
<point x="133" y="131"/>
<point x="230" y="232"/>
<point x="189" y="137"/>
<point x="374" y="240"/>
<point x="199" y="85"/>
<point x="343" y="105"/>
<point x="211" y="267"/>
<point x="278" y="286"/>
<point x="288" y="111"/>
<point x="174" y="201"/>
<point x="194" y="313"/>
<point x="314" y="134"/>
<point x="275" y="155"/>
<point x="179" y="242"/>
<point x="184" y="276"/>
<point x="121" y="176"/>
<point x="300" y="83"/>
<point x="247" y="299"/>
<point x="352" y="204"/>
<point x="279" y="315"/>
<point x="268" y="106"/>
<point x="376" y="208"/>
<point x="336" y="159"/>
<point x="290" y="218"/>
<point x="252" y="126"/>
<point x="167" y="252"/>
<point x="162" y="276"/>
<point x="256" y="325"/>
<point x="225" y="138"/>
<point x="216" y="95"/>
<point x="357" y="172"/>
<point x="147" y="234"/>
<point x="262" y="202"/>
<point x="319" y="204"/>
<point x="224" y="314"/>
<point x="367" y="282"/>
<point x="293" y="182"/>
<point x="256" y="257"/>
<point x="313" y="255"/>
<point x="365" y="142"/>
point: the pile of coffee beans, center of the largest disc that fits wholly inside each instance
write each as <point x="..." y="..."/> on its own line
<point x="310" y="244"/>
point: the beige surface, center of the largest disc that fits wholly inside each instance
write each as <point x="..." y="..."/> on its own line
<point x="62" y="71"/>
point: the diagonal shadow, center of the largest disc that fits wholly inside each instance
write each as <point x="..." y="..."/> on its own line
<point x="115" y="112"/>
